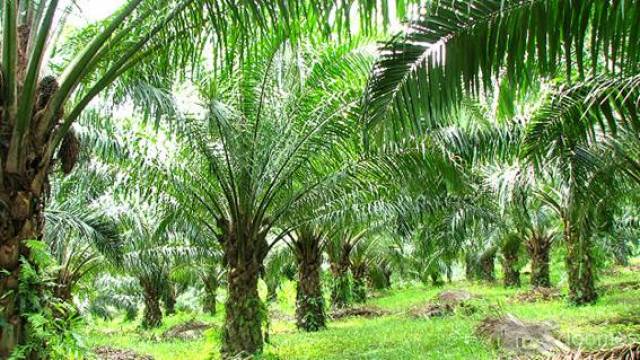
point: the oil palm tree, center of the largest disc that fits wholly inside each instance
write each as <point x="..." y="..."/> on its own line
<point x="461" y="48"/>
<point x="570" y="133"/>
<point x="148" y="257"/>
<point x="154" y="247"/>
<point x="254" y="163"/>
<point x="81" y="239"/>
<point x="141" y="39"/>
<point x="339" y="250"/>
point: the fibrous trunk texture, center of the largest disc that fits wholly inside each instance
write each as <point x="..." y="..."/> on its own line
<point x="211" y="285"/>
<point x="579" y="263"/>
<point x="24" y="176"/>
<point x="245" y="313"/>
<point x="341" y="294"/>
<point x="436" y="278"/>
<point x="538" y="248"/>
<point x="152" y="317"/>
<point x="471" y="266"/>
<point x="63" y="286"/>
<point x="310" y="314"/>
<point x="510" y="257"/>
<point x="169" y="300"/>
<point x="487" y="264"/>
<point x="18" y="223"/>
<point x="511" y="272"/>
<point x="359" y="273"/>
<point x="272" y="291"/>
<point x="21" y="219"/>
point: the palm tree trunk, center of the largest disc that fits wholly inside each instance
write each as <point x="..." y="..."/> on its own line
<point x="244" y="310"/>
<point x="487" y="264"/>
<point x="272" y="291"/>
<point x="310" y="315"/>
<point x="471" y="266"/>
<point x="359" y="283"/>
<point x="152" y="315"/>
<point x="341" y="294"/>
<point x="21" y="219"/>
<point x="511" y="272"/>
<point x="579" y="264"/>
<point x="538" y="248"/>
<point x="245" y="313"/>
<point x="63" y="286"/>
<point x="436" y="278"/>
<point x="387" y="277"/>
<point x="21" y="205"/>
<point x="211" y="285"/>
<point x="169" y="299"/>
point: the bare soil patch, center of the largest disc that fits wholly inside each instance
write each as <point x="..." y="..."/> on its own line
<point x="634" y="267"/>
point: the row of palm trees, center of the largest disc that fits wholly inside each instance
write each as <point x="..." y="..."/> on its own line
<point x="49" y="80"/>
<point x="279" y="157"/>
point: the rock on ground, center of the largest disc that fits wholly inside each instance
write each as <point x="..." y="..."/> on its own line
<point x="365" y="311"/>
<point x="191" y="330"/>
<point x="623" y="352"/>
<point x="539" y="294"/>
<point x="446" y="303"/>
<point x="109" y="353"/>
<point x="522" y="338"/>
<point x="430" y="310"/>
<point x="454" y="296"/>
<point x="277" y="314"/>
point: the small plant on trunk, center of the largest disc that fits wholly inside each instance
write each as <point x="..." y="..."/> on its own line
<point x="307" y="243"/>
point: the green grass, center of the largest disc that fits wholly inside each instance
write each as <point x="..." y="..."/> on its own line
<point x="397" y="336"/>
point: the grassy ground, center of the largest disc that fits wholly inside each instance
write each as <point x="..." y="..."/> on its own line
<point x="399" y="336"/>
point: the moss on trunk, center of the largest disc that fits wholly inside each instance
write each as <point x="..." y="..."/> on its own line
<point x="211" y="285"/>
<point x="511" y="272"/>
<point x="169" y="299"/>
<point x="359" y="283"/>
<point x="487" y="264"/>
<point x="341" y="290"/>
<point x="21" y="219"/>
<point x="472" y="266"/>
<point x="579" y="264"/>
<point x="510" y="248"/>
<point x="538" y="248"/>
<point x="245" y="313"/>
<point x="310" y="314"/>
